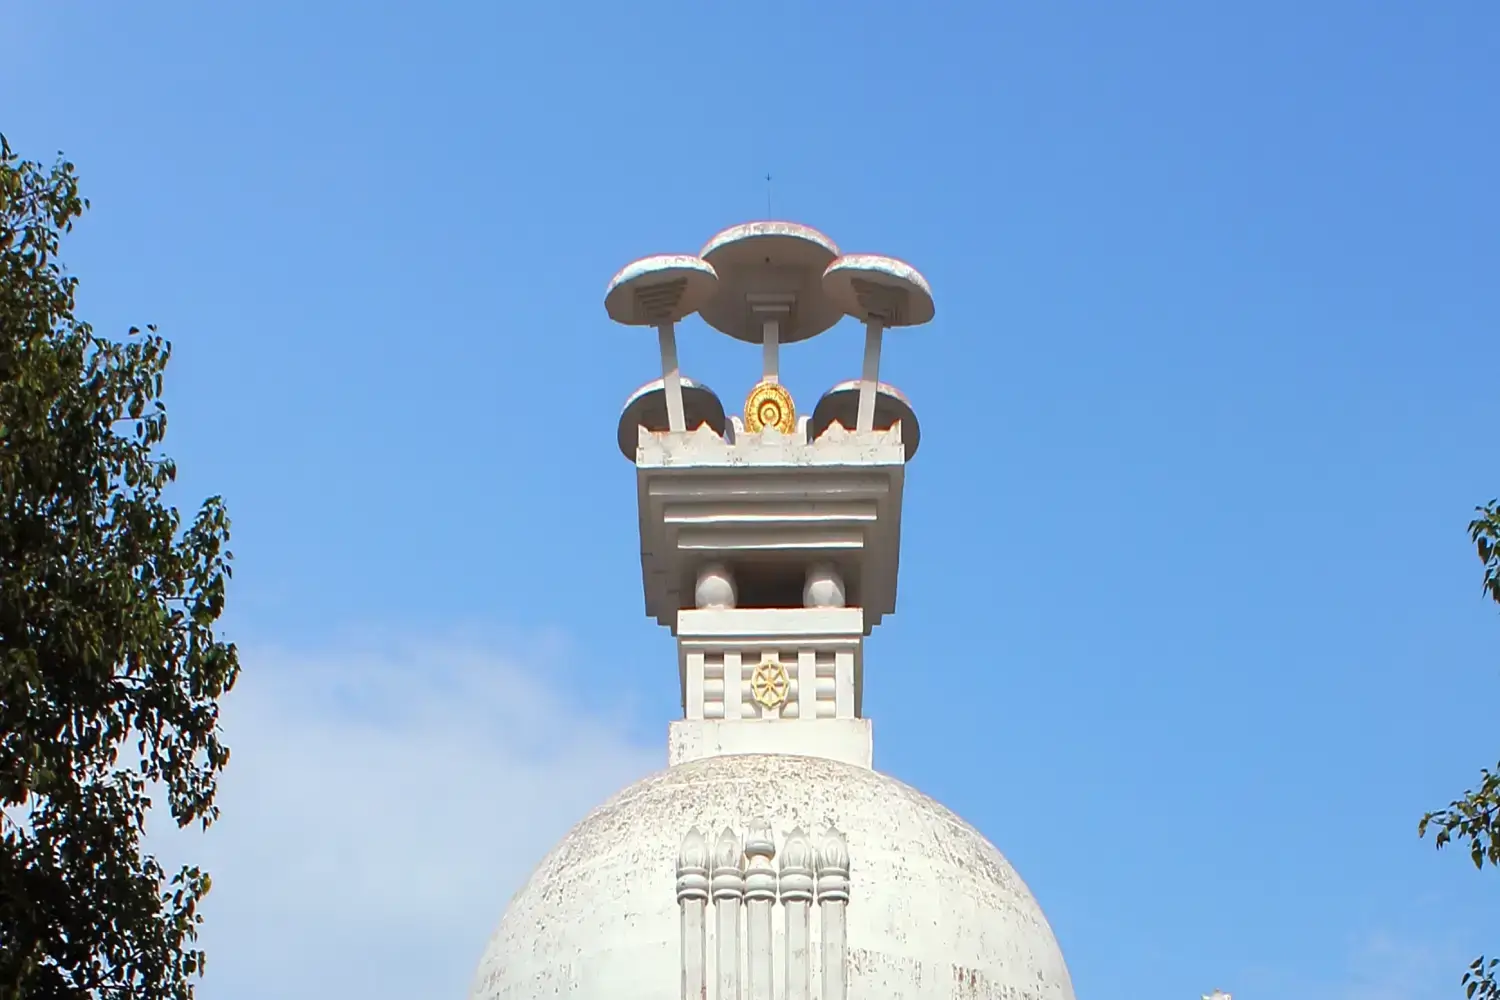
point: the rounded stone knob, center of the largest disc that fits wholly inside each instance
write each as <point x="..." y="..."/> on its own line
<point x="824" y="588"/>
<point x="715" y="587"/>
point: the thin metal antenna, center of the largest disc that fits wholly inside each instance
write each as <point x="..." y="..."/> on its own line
<point x="768" y="196"/>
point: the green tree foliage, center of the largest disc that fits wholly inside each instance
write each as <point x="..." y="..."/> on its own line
<point x="110" y="670"/>
<point x="1475" y="818"/>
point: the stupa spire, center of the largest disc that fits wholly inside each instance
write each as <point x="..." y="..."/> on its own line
<point x="770" y="542"/>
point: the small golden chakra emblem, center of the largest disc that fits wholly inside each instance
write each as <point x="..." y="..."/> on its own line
<point x="769" y="684"/>
<point x="770" y="405"/>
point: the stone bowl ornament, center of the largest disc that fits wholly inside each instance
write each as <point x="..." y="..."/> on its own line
<point x="647" y="407"/>
<point x="841" y="404"/>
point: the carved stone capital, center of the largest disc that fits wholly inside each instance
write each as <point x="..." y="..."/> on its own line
<point x="797" y="872"/>
<point x="833" y="867"/>
<point x="760" y="873"/>
<point x="692" y="867"/>
<point x="728" y="883"/>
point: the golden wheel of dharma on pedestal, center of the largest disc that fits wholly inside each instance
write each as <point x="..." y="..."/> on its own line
<point x="770" y="405"/>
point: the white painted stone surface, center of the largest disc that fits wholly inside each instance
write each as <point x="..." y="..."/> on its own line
<point x="935" y="912"/>
<point x="704" y="499"/>
<point x="849" y="741"/>
<point x="820" y="648"/>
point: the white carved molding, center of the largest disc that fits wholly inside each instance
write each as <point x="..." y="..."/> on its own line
<point x="742" y="871"/>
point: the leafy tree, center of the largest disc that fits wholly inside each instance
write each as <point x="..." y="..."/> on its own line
<point x="110" y="670"/>
<point x="1476" y="817"/>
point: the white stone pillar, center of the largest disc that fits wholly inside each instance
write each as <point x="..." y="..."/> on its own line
<point x="671" y="377"/>
<point x="796" y="900"/>
<point x="770" y="349"/>
<point x="728" y="889"/>
<point x="833" y="897"/>
<point x="760" y="897"/>
<point x="692" y="900"/>
<point x="869" y="381"/>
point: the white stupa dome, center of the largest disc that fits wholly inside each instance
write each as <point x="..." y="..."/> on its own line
<point x="934" y="910"/>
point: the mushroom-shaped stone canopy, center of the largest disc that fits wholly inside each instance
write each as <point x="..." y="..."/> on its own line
<point x="869" y="286"/>
<point x="647" y="407"/>
<point x="660" y="289"/>
<point x="841" y="403"/>
<point x="776" y="259"/>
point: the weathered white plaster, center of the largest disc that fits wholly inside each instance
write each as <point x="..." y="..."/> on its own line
<point x="935" y="912"/>
<point x="820" y="649"/>
<point x="849" y="741"/>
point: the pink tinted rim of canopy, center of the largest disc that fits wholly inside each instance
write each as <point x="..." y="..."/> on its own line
<point x="838" y="284"/>
<point x="816" y="244"/>
<point x="702" y="281"/>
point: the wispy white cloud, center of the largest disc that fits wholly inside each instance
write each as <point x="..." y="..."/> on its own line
<point x="380" y="809"/>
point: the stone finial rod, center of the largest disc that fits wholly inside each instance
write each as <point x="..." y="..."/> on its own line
<point x="666" y="337"/>
<point x="770" y="349"/>
<point x="869" y="381"/>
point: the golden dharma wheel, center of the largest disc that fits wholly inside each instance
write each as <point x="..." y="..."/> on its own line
<point x="770" y="405"/>
<point x="769" y="684"/>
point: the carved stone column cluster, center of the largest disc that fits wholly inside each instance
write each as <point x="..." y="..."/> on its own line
<point x="743" y="871"/>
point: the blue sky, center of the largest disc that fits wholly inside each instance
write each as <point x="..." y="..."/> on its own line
<point x="1189" y="624"/>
